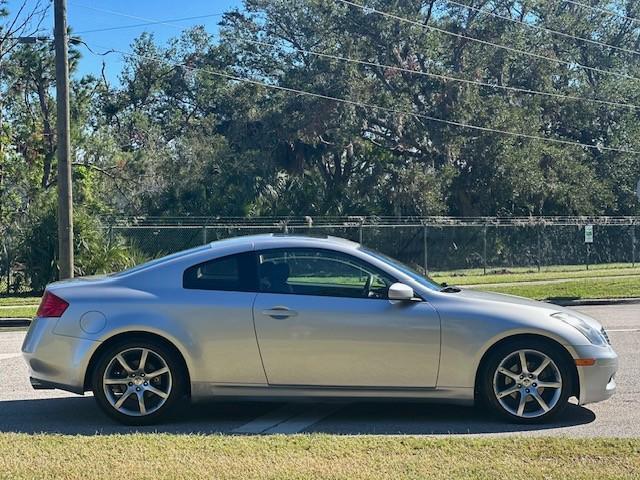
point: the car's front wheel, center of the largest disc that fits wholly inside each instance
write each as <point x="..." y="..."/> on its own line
<point x="137" y="382"/>
<point x="527" y="381"/>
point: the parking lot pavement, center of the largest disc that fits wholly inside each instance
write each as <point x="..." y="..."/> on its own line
<point x="23" y="409"/>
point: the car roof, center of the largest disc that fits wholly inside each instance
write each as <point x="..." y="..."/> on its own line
<point x="230" y="246"/>
<point x="275" y="240"/>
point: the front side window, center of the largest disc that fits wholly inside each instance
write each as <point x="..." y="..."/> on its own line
<point x="305" y="271"/>
<point x="423" y="280"/>
<point x="231" y="273"/>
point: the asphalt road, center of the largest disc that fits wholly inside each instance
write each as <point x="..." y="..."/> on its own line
<point x="25" y="410"/>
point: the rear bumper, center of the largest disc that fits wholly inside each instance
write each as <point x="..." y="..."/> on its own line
<point x="38" y="384"/>
<point x="41" y="384"/>
<point x="56" y="361"/>
<point x="597" y="382"/>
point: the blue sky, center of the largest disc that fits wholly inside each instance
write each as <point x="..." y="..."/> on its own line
<point x="86" y="15"/>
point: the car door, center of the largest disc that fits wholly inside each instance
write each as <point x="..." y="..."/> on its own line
<point x="322" y="318"/>
<point x="216" y="305"/>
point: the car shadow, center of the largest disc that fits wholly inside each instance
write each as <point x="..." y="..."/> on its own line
<point x="81" y="416"/>
<point x="434" y="419"/>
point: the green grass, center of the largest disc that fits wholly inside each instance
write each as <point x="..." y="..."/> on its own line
<point x="19" y="300"/>
<point x="544" y="269"/>
<point x="19" y="306"/>
<point x="579" y="283"/>
<point x="328" y="280"/>
<point x="18" y="312"/>
<point x="574" y="289"/>
<point x="475" y="277"/>
<point x="157" y="456"/>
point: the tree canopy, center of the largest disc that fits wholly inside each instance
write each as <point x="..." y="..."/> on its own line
<point x="321" y="107"/>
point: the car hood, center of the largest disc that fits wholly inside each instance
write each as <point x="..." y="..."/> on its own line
<point x="515" y="301"/>
<point x="503" y="298"/>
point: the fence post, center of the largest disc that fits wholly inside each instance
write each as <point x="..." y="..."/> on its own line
<point x="633" y="244"/>
<point x="360" y="233"/>
<point x="539" y="249"/>
<point x="588" y="245"/>
<point x="6" y="251"/>
<point x="426" y="250"/>
<point x="110" y="234"/>
<point x="588" y="254"/>
<point x="484" y="249"/>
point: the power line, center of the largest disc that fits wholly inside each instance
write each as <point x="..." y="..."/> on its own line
<point x="406" y="70"/>
<point x="154" y="22"/>
<point x="378" y="107"/>
<point x="603" y="10"/>
<point x="544" y="29"/>
<point x="431" y="27"/>
<point x="485" y="42"/>
<point x="76" y="41"/>
<point x="449" y="78"/>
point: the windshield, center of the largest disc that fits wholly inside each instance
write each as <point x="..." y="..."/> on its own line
<point x="407" y="270"/>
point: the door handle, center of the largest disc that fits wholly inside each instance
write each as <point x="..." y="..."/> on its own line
<point x="279" y="312"/>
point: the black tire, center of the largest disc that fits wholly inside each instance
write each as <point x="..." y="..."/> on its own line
<point x="561" y="359"/>
<point x="175" y="379"/>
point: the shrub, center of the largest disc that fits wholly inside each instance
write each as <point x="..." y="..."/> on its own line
<point x="95" y="252"/>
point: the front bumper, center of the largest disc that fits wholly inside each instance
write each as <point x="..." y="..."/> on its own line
<point x="597" y="382"/>
<point x="56" y="361"/>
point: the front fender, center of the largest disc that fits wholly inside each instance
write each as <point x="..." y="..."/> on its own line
<point x="471" y="328"/>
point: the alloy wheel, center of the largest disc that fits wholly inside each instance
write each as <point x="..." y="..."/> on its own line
<point x="527" y="383"/>
<point x="137" y="381"/>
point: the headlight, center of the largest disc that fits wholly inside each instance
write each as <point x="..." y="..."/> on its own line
<point x="593" y="335"/>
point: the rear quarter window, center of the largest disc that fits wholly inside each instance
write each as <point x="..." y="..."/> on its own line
<point x="230" y="273"/>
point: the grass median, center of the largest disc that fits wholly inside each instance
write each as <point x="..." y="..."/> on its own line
<point x="573" y="289"/>
<point x="18" y="311"/>
<point x="14" y="300"/>
<point x="314" y="456"/>
<point x="18" y="306"/>
<point x="522" y="274"/>
<point x="566" y="282"/>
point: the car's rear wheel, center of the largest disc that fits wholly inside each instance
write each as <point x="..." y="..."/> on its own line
<point x="527" y="380"/>
<point x="138" y="382"/>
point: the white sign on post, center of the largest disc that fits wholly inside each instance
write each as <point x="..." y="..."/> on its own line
<point x="588" y="234"/>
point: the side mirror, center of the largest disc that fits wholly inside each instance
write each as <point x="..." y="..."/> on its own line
<point x="400" y="291"/>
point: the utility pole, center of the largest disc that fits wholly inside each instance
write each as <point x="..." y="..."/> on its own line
<point x="65" y="195"/>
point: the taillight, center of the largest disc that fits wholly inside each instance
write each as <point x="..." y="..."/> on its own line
<point x="51" y="306"/>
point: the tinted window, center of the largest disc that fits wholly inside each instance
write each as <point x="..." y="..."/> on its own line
<point x="304" y="271"/>
<point x="235" y="273"/>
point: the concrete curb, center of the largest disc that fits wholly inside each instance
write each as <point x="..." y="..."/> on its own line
<point x="14" y="322"/>
<point x="595" y="301"/>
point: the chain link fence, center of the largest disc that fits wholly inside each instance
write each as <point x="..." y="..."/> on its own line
<point x="430" y="243"/>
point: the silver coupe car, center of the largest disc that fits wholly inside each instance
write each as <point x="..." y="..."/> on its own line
<point x="291" y="316"/>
